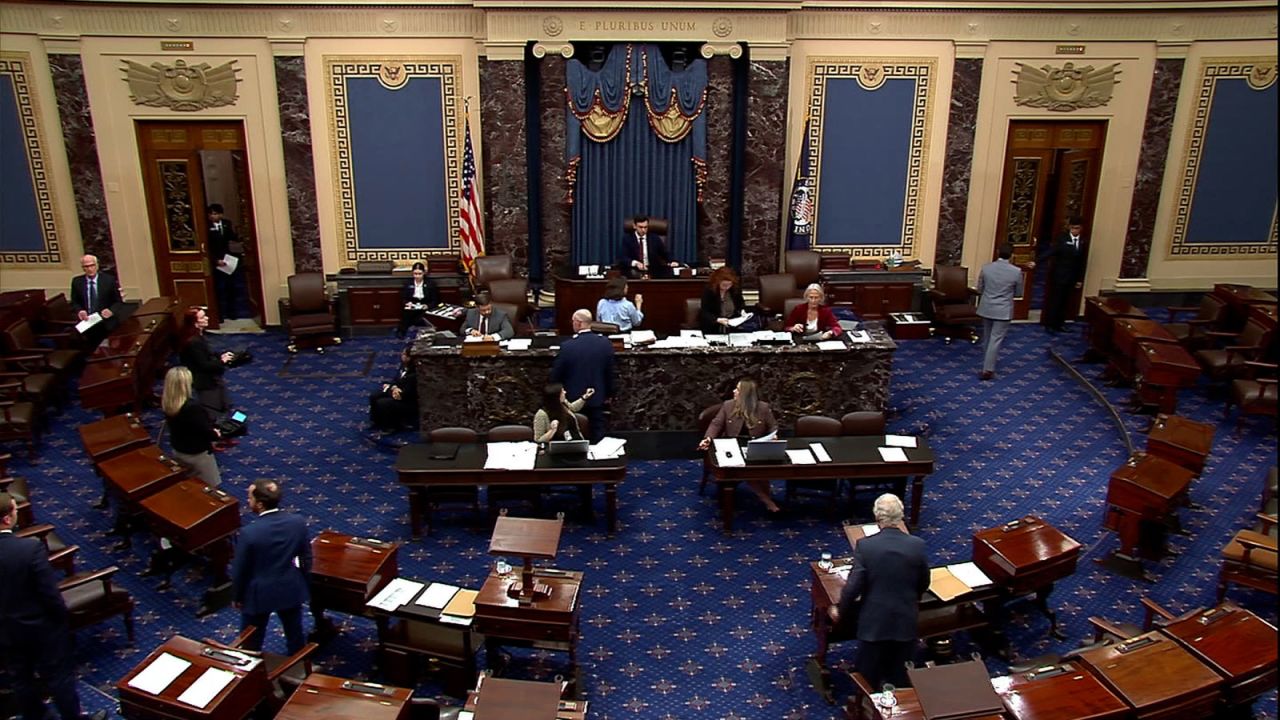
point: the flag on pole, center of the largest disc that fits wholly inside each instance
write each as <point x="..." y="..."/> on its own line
<point x="800" y="228"/>
<point x="470" y="216"/>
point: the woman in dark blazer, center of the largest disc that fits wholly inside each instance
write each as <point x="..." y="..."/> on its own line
<point x="191" y="431"/>
<point x="418" y="295"/>
<point x="206" y="367"/>
<point x="721" y="301"/>
<point x="813" y="320"/>
<point x="744" y="415"/>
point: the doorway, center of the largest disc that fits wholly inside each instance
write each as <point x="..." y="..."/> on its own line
<point x="1051" y="173"/>
<point x="187" y="166"/>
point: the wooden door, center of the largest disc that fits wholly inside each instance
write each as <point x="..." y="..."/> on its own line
<point x="1075" y="189"/>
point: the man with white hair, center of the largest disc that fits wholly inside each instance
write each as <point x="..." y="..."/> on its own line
<point x="96" y="292"/>
<point x="890" y="573"/>
<point x="585" y="363"/>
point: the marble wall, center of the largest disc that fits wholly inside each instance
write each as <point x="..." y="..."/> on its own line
<point x="300" y="174"/>
<point x="82" y="156"/>
<point x="1165" y="82"/>
<point x="714" y="212"/>
<point x="505" y="159"/>
<point x="556" y="214"/>
<point x="966" y="84"/>
<point x="764" y="168"/>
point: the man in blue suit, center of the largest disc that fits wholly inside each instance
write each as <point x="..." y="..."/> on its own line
<point x="642" y="254"/>
<point x="271" y="567"/>
<point x="586" y="362"/>
<point x="35" y="639"/>
<point x="890" y="573"/>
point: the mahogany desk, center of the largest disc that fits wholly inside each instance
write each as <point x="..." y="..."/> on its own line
<point x="1058" y="692"/>
<point x="1180" y="440"/>
<point x="503" y="699"/>
<point x="664" y="300"/>
<point x="414" y="632"/>
<point x="196" y="518"/>
<point x="1127" y="335"/>
<point x="1163" y="369"/>
<point x="853" y="457"/>
<point x="114" y="436"/>
<point x="549" y="623"/>
<point x="1159" y="679"/>
<point x="1237" y="644"/>
<point x="324" y="697"/>
<point x="418" y="471"/>
<point x="111" y="384"/>
<point x="1100" y="315"/>
<point x="1141" y="495"/>
<point x="237" y="700"/>
<point x="346" y="572"/>
<point x="1026" y="556"/>
<point x="136" y="474"/>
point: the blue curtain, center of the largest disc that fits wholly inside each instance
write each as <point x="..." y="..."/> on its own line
<point x="631" y="154"/>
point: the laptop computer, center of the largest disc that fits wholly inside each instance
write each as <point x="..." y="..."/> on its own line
<point x="568" y="447"/>
<point x="766" y="450"/>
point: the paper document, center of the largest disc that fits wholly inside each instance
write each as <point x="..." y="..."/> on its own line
<point x="519" y="343"/>
<point x="842" y="572"/>
<point x="892" y="454"/>
<point x="801" y="457"/>
<point x="466" y="715"/>
<point x="232" y="262"/>
<point x="765" y="438"/>
<point x="728" y="454"/>
<point x="869" y="530"/>
<point x="437" y="595"/>
<point x="608" y="448"/>
<point x="859" y="336"/>
<point x="740" y="340"/>
<point x="945" y="585"/>
<point x="691" y="333"/>
<point x="737" y="321"/>
<point x="900" y="440"/>
<point x="206" y="687"/>
<point x="970" y="574"/>
<point x="396" y="593"/>
<point x="85" y="324"/>
<point x="831" y="345"/>
<point x="643" y="336"/>
<point x="510" y="455"/>
<point x="462" y="605"/>
<point x="455" y="619"/>
<point x="820" y="452"/>
<point x="159" y="674"/>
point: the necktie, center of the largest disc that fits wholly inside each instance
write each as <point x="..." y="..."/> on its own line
<point x="484" y="325"/>
<point x="93" y="295"/>
<point x="644" y="251"/>
<point x="1075" y="242"/>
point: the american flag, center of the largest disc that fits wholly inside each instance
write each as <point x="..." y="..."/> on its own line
<point x="470" y="216"/>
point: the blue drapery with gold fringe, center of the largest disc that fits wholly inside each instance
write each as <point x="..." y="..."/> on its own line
<point x="636" y="144"/>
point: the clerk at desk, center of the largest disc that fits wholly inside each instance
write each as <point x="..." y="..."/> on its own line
<point x="418" y="295"/>
<point x="643" y="254"/>
<point x="486" y="321"/>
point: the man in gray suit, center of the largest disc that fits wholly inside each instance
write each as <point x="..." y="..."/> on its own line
<point x="486" y="321"/>
<point x="998" y="284"/>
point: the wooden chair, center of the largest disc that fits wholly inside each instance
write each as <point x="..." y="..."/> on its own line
<point x="434" y="497"/>
<point x="1249" y="559"/>
<point x="285" y="673"/>
<point x="1192" y="333"/>
<point x="19" y="419"/>
<point x="91" y="599"/>
<point x="955" y="315"/>
<point x="310" y="318"/>
<point x="816" y="426"/>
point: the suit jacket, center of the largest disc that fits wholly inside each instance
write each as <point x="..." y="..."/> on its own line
<point x="826" y="318"/>
<point x="30" y="602"/>
<point x="659" y="258"/>
<point x="205" y="366"/>
<point x="585" y="361"/>
<point x="407" y="380"/>
<point x="1068" y="262"/>
<point x="998" y="284"/>
<point x="890" y="573"/>
<point x="220" y="242"/>
<point x="263" y="572"/>
<point x="712" y="308"/>
<point x="430" y="293"/>
<point x="499" y="323"/>
<point x="726" y="424"/>
<point x="108" y="293"/>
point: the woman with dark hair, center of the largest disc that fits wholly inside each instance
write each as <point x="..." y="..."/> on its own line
<point x="419" y="295"/>
<point x="555" y="420"/>
<point x="813" y="320"/>
<point x="721" y="301"/>
<point x="206" y="367"/>
<point x="744" y="416"/>
<point x="615" y="308"/>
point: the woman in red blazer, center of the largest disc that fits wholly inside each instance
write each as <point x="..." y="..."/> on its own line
<point x="813" y="320"/>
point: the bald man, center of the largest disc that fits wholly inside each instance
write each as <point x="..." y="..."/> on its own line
<point x="585" y="363"/>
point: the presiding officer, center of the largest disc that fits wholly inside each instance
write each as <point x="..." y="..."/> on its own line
<point x="890" y="573"/>
<point x="271" y="567"/>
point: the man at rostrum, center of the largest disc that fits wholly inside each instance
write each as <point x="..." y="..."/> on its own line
<point x="271" y="567"/>
<point x="586" y="362"/>
<point x="643" y="254"/>
<point x="890" y="573"/>
<point x="998" y="284"/>
<point x="96" y="292"/>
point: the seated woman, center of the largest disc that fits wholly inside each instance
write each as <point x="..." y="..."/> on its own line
<point x="395" y="404"/>
<point x="721" y="301"/>
<point x="813" y="320"/>
<point x="555" y="420"/>
<point x="206" y="367"/>
<point x="615" y="308"/>
<point x="418" y="295"/>
<point x="744" y="416"/>
<point x="191" y="431"/>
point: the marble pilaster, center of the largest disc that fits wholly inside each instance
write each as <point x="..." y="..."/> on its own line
<point x="82" y="157"/>
<point x="966" y="85"/>
<point x="764" y="167"/>
<point x="1165" y="82"/>
<point x="505" y="159"/>
<point x="556" y="213"/>
<point x="714" y="213"/>
<point x="300" y="176"/>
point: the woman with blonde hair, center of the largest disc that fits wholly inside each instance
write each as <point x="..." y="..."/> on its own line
<point x="744" y="416"/>
<point x="191" y="431"/>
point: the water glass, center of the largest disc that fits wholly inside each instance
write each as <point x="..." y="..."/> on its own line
<point x="887" y="700"/>
<point x="502" y="567"/>
<point x="824" y="562"/>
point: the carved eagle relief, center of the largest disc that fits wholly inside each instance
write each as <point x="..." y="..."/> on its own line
<point x="180" y="86"/>
<point x="1066" y="88"/>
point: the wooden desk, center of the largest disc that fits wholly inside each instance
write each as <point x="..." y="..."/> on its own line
<point x="324" y="697"/>
<point x="346" y="572"/>
<point x="851" y="457"/>
<point x="874" y="294"/>
<point x="503" y="699"/>
<point x="1027" y="556"/>
<point x="1160" y="680"/>
<point x="1144" y="491"/>
<point x="237" y="700"/>
<point x="372" y="301"/>
<point x="1237" y="644"/>
<point x="197" y="518"/>
<point x="1127" y="335"/>
<point x="136" y="474"/>
<point x="110" y="385"/>
<point x="112" y="437"/>
<point x="549" y="623"/>
<point x="664" y="300"/>
<point x="418" y="471"/>
<point x="1063" y="692"/>
<point x="1161" y="370"/>
<point x="1180" y="440"/>
<point x="414" y="632"/>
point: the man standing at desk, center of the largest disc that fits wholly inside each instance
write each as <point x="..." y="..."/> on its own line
<point x="486" y="321"/>
<point x="585" y="363"/>
<point x="271" y="567"/>
<point x="998" y="284"/>
<point x="95" y="292"/>
<point x="643" y="254"/>
<point x="890" y="573"/>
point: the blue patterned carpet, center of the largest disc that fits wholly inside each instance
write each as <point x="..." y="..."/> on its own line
<point x="678" y="620"/>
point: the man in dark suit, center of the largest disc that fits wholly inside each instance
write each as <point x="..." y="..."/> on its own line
<point x="395" y="405"/>
<point x="35" y="639"/>
<point x="1066" y="274"/>
<point x="223" y="242"/>
<point x="96" y="292"/>
<point x="643" y="254"/>
<point x="586" y="362"/>
<point x="271" y="567"/>
<point x="486" y="321"/>
<point x="890" y="573"/>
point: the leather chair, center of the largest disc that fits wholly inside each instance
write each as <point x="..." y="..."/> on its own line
<point x="1107" y="631"/>
<point x="17" y="487"/>
<point x="311" y="321"/>
<point x="816" y="426"/>
<point x="511" y="295"/>
<point x="791" y="304"/>
<point x="657" y="226"/>
<point x="605" y="328"/>
<point x="61" y="555"/>
<point x="434" y="497"/>
<point x="774" y="291"/>
<point x="511" y="433"/>
<point x="19" y="419"/>
<point x="22" y="347"/>
<point x="704" y="421"/>
<point x="806" y="265"/>
<point x="863" y="422"/>
<point x="58" y="319"/>
<point x="490" y="268"/>
<point x="1255" y="394"/>
<point x="91" y="598"/>
<point x="692" y="312"/>
<point x="285" y="673"/>
<point x="1191" y="333"/>
<point x="955" y="315"/>
<point x="1251" y="344"/>
<point x="1249" y="559"/>
<point x="41" y="388"/>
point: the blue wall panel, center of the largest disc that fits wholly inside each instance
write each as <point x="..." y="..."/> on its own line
<point x="866" y="144"/>
<point x="398" y="166"/>
<point x="19" y="216"/>
<point x="1235" y="195"/>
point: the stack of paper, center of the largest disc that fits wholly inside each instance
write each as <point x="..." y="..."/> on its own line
<point x="608" y="448"/>
<point x="728" y="453"/>
<point x="801" y="457"/>
<point x="157" y="676"/>
<point x="461" y="608"/>
<point x="206" y="687"/>
<point x="906" y="441"/>
<point x="437" y="595"/>
<point x="953" y="581"/>
<point x="740" y="340"/>
<point x="738" y="321"/>
<point x="970" y="574"/>
<point x="510" y="455"/>
<point x="396" y="593"/>
<point x="639" y="337"/>
<point x="892" y="454"/>
<point x="832" y="345"/>
<point x="519" y="343"/>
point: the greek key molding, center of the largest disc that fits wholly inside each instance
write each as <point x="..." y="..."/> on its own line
<point x="16" y="68"/>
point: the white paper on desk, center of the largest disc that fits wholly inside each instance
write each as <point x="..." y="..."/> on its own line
<point x="718" y="339"/>
<point x="437" y="595"/>
<point x="892" y="454"/>
<point x="643" y="336"/>
<point x="970" y="574"/>
<point x="869" y="530"/>
<point x="820" y="452"/>
<point x="740" y="340"/>
<point x="765" y="438"/>
<point x="900" y="441"/>
<point x="842" y="572"/>
<point x="728" y="454"/>
<point x="519" y="343"/>
<point x="466" y="715"/>
<point x="231" y="263"/>
<point x="859" y="336"/>
<point x="159" y="674"/>
<point x="609" y="448"/>
<point x="455" y="619"/>
<point x="831" y="345"/>
<point x="206" y="687"/>
<point x="801" y="457"/>
<point x="691" y="333"/>
<point x="88" y="322"/>
<point x="396" y="593"/>
<point x="735" y="322"/>
<point x="510" y="455"/>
